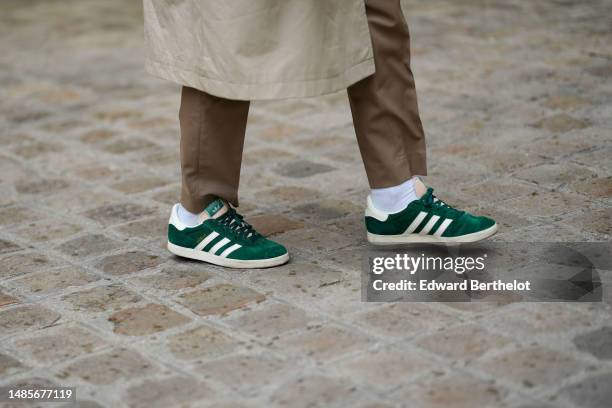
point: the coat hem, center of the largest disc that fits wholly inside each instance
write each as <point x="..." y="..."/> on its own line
<point x="262" y="91"/>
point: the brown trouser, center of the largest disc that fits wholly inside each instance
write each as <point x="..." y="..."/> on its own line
<point x="385" y="116"/>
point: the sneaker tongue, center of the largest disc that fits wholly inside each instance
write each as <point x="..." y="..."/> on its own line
<point x="419" y="187"/>
<point x="214" y="210"/>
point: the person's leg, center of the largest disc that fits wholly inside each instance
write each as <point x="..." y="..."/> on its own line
<point x="212" y="138"/>
<point x="384" y="105"/>
<point x="204" y="226"/>
<point x="400" y="209"/>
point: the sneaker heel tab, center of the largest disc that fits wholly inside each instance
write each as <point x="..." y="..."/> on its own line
<point x="174" y="218"/>
<point x="374" y="212"/>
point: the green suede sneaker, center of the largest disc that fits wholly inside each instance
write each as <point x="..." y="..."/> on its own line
<point x="426" y="220"/>
<point x="223" y="238"/>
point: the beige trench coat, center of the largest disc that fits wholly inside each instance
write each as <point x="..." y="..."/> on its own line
<point x="259" y="49"/>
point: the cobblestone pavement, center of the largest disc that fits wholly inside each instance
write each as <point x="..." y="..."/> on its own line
<point x="516" y="101"/>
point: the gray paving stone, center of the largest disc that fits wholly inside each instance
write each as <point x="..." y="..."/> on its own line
<point x="175" y="391"/>
<point x="556" y="204"/>
<point x="539" y="232"/>
<point x="452" y="390"/>
<point x="565" y="102"/>
<point x="47" y="230"/>
<point x="326" y="210"/>
<point x="278" y="132"/>
<point x="88" y="245"/>
<point x="555" y="175"/>
<point x="16" y="215"/>
<point x="56" y="279"/>
<point x="148" y="319"/>
<point x="8" y="246"/>
<point x="288" y="194"/>
<point x="561" y="122"/>
<point x="324" y="342"/>
<point x="118" y="213"/>
<point x="375" y="404"/>
<point x="463" y="342"/>
<point x="128" y="262"/>
<point x="41" y="187"/>
<point x="109" y="367"/>
<point x="349" y="259"/>
<point x="539" y="318"/>
<point x="270" y="320"/>
<point x="79" y="200"/>
<point x="300" y="280"/>
<point x="9" y="365"/>
<point x="245" y="373"/>
<point x="219" y="299"/>
<point x="26" y="317"/>
<point x="508" y="162"/>
<point x="127" y="146"/>
<point x="148" y="229"/>
<point x="174" y="278"/>
<point x="598" y="187"/>
<point x="232" y="404"/>
<point x="532" y="367"/>
<point x="597" y="221"/>
<point x="593" y="392"/>
<point x="315" y="391"/>
<point x="114" y="115"/>
<point x="6" y="299"/>
<point x="387" y="367"/>
<point x="536" y="404"/>
<point x="201" y="342"/>
<point x="496" y="190"/>
<point x="88" y="404"/>
<point x="138" y="185"/>
<point x="597" y="343"/>
<point x="301" y="169"/>
<point x="22" y="263"/>
<point x="97" y="135"/>
<point x="404" y="319"/>
<point x="268" y="225"/>
<point x="60" y="344"/>
<point x="168" y="197"/>
<point x="102" y="298"/>
<point x="263" y="156"/>
<point x="559" y="147"/>
<point x="95" y="171"/>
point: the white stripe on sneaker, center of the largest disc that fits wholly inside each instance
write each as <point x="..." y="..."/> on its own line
<point x="229" y="250"/>
<point x="416" y="222"/>
<point x="206" y="241"/>
<point x="443" y="227"/>
<point x="218" y="245"/>
<point x="429" y="225"/>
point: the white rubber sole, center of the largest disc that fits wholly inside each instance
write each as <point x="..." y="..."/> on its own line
<point x="430" y="239"/>
<point x="230" y="263"/>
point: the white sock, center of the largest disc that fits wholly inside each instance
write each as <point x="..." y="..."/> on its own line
<point x="395" y="199"/>
<point x="188" y="218"/>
